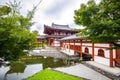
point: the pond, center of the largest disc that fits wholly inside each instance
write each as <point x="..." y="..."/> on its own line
<point x="29" y="66"/>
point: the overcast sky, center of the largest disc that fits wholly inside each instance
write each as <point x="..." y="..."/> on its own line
<point x="51" y="11"/>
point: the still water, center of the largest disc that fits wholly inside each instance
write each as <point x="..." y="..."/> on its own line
<point x="31" y="65"/>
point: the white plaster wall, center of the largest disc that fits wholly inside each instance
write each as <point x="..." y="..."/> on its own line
<point x="87" y="44"/>
<point x="71" y="52"/>
<point x="90" y="50"/>
<point x="67" y="50"/>
<point x="95" y="51"/>
<point x="67" y="43"/>
<point x="77" y="43"/>
<point x="101" y="45"/>
<point x="118" y="42"/>
<point x="83" y="49"/>
<point x="114" y="53"/>
<point x="106" y="52"/>
<point x="102" y="60"/>
<point x="68" y="53"/>
<point x="56" y="44"/>
<point x="71" y="43"/>
<point x="64" y="50"/>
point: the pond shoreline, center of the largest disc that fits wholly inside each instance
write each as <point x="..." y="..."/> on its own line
<point x="18" y="71"/>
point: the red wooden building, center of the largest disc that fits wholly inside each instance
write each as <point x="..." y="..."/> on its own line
<point x="97" y="52"/>
<point x="64" y="37"/>
<point x="40" y="40"/>
<point x="56" y="32"/>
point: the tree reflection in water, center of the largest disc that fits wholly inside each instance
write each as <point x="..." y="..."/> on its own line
<point x="34" y="63"/>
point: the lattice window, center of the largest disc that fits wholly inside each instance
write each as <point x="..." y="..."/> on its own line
<point x="67" y="46"/>
<point x="71" y="46"/>
<point x="86" y="50"/>
<point x="77" y="47"/>
<point x="101" y="53"/>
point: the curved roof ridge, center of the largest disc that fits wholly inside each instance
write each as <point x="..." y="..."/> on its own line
<point x="60" y="26"/>
<point x="53" y="24"/>
<point x="71" y="37"/>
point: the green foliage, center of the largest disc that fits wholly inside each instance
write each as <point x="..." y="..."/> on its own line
<point x="16" y="67"/>
<point x="52" y="75"/>
<point x="14" y="33"/>
<point x="45" y="42"/>
<point x="101" y="21"/>
<point x="4" y="10"/>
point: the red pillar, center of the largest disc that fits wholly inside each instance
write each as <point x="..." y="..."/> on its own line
<point x="81" y="49"/>
<point x="111" y="56"/>
<point x="69" y="45"/>
<point x="53" y="42"/>
<point x="42" y="44"/>
<point x="65" y="45"/>
<point x="49" y="42"/>
<point x="74" y="46"/>
<point x="93" y="51"/>
<point x="62" y="44"/>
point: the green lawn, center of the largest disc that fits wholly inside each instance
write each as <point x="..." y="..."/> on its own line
<point x="52" y="75"/>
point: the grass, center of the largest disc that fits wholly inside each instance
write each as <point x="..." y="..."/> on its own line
<point x="52" y="75"/>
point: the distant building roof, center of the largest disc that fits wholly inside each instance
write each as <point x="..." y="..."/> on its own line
<point x="41" y="36"/>
<point x="57" y="26"/>
<point x="60" y="28"/>
<point x="71" y="37"/>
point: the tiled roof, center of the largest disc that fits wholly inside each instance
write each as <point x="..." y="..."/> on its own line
<point x="58" y="36"/>
<point x="57" y="26"/>
<point x="71" y="37"/>
<point x="60" y="28"/>
<point x="40" y="36"/>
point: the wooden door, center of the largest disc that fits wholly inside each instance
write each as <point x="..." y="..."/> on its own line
<point x="117" y="60"/>
<point x="118" y="54"/>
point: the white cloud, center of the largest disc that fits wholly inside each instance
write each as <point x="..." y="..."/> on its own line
<point x="58" y="11"/>
<point x="49" y="11"/>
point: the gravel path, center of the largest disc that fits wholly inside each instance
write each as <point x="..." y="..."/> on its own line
<point x="82" y="71"/>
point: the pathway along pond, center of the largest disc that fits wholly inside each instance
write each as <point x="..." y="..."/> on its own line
<point x="29" y="66"/>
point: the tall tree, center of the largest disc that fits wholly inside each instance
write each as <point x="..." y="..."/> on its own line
<point x="14" y="32"/>
<point x="101" y="21"/>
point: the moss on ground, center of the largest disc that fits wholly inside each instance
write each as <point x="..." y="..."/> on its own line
<point x="52" y="75"/>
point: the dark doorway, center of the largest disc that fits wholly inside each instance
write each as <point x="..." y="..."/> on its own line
<point x="86" y="57"/>
<point x="117" y="60"/>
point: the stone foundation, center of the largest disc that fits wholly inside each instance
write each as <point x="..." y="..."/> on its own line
<point x="110" y="75"/>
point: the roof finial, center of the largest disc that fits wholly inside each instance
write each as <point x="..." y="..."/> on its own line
<point x="52" y="23"/>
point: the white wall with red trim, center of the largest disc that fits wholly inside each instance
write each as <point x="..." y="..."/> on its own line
<point x="104" y="46"/>
<point x="56" y="43"/>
